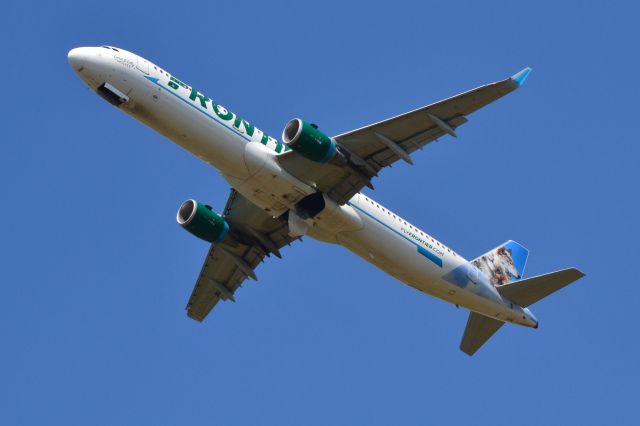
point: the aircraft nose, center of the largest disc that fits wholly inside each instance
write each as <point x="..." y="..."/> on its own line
<point x="77" y="57"/>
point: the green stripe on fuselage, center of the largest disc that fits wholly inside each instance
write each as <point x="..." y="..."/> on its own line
<point x="196" y="98"/>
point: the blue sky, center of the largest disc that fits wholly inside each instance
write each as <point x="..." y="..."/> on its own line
<point x="96" y="273"/>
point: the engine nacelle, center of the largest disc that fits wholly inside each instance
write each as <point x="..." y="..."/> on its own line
<point x="308" y="141"/>
<point x="201" y="221"/>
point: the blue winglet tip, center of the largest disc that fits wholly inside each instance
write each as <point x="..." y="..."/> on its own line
<point x="520" y="77"/>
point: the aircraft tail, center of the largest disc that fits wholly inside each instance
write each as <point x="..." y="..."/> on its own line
<point x="524" y="293"/>
<point x="503" y="264"/>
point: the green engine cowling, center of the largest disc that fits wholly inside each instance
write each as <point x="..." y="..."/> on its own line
<point x="201" y="221"/>
<point x="308" y="141"/>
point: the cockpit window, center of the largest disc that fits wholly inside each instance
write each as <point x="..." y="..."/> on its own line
<point x="110" y="48"/>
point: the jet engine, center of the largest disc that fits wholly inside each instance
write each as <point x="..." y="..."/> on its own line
<point x="308" y="141"/>
<point x="200" y="220"/>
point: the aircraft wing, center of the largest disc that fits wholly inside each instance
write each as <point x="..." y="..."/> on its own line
<point x="253" y="235"/>
<point x="378" y="145"/>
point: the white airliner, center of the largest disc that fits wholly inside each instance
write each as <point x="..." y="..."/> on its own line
<point x="309" y="184"/>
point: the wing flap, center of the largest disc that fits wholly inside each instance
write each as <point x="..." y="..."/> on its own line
<point x="219" y="278"/>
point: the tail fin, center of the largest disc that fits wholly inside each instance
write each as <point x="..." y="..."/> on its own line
<point x="529" y="291"/>
<point x="479" y="330"/>
<point x="524" y="293"/>
<point x="503" y="264"/>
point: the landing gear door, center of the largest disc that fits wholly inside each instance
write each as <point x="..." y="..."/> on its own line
<point x="143" y="65"/>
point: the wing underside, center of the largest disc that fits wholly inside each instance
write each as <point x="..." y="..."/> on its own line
<point x="254" y="235"/>
<point x="379" y="145"/>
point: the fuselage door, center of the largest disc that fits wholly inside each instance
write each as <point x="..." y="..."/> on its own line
<point x="143" y="65"/>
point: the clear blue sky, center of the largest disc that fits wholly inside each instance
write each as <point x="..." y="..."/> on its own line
<point x="96" y="273"/>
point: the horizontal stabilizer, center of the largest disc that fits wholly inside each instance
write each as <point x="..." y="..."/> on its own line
<point x="479" y="330"/>
<point x="529" y="291"/>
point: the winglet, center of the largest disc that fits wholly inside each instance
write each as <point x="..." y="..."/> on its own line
<point x="520" y="77"/>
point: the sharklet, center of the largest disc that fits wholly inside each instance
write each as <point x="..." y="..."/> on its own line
<point x="521" y="76"/>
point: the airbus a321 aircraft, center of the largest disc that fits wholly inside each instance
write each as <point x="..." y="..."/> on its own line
<point x="309" y="183"/>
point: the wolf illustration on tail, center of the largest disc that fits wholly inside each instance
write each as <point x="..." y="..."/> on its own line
<point x="504" y="264"/>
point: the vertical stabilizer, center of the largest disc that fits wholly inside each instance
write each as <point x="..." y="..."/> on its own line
<point x="503" y="264"/>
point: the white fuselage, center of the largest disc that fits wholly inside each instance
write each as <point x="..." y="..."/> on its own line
<point x="247" y="158"/>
